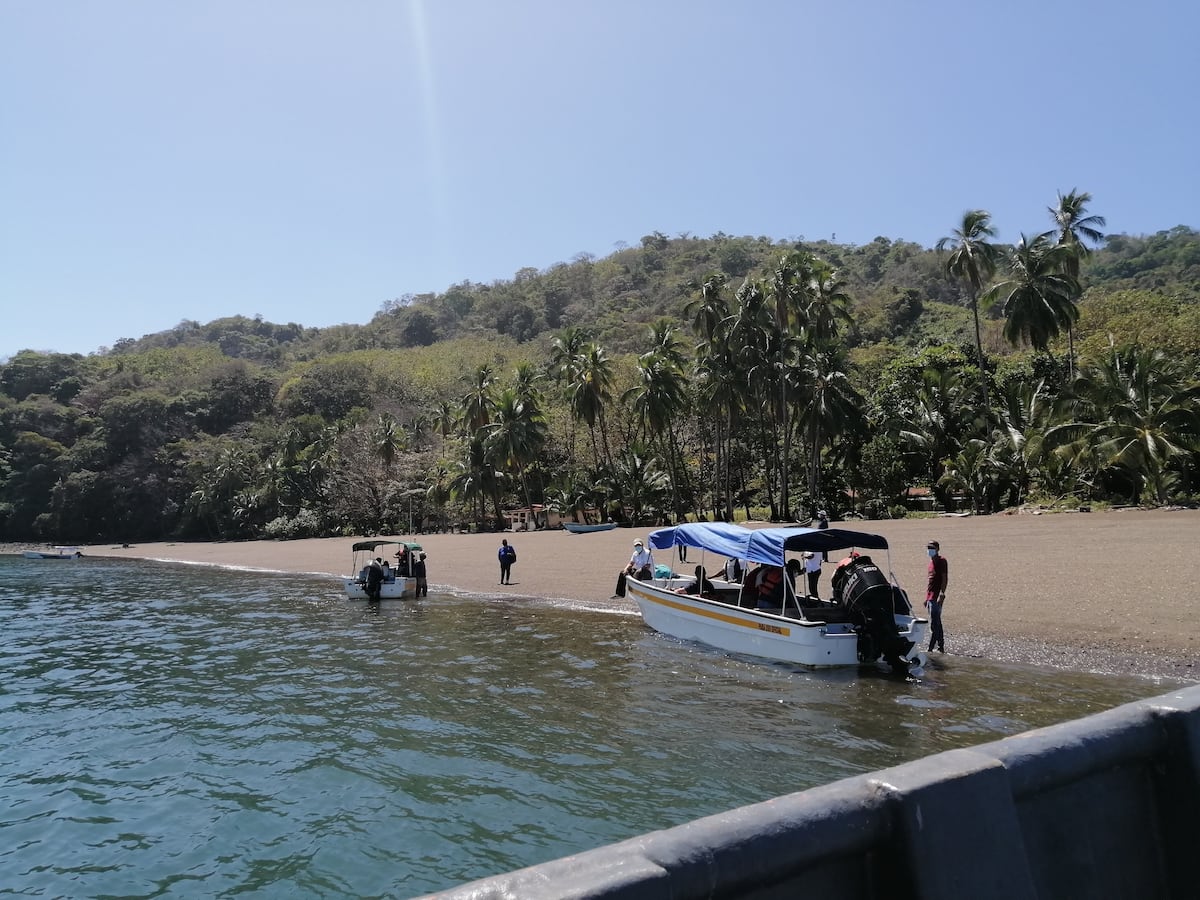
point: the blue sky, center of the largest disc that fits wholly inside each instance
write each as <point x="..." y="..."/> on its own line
<point x="308" y="161"/>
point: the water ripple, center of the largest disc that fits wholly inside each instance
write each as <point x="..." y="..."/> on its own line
<point x="184" y="731"/>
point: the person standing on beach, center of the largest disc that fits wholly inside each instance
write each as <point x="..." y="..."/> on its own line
<point x="508" y="556"/>
<point x="935" y="594"/>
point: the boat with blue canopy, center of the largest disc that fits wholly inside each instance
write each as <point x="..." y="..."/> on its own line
<point x="867" y="619"/>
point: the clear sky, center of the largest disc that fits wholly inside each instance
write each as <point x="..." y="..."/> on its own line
<point x="308" y="161"/>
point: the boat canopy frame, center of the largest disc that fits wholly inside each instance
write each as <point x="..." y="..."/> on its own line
<point x="373" y="545"/>
<point x="765" y="546"/>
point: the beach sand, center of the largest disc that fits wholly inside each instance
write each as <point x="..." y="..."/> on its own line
<point x="1114" y="592"/>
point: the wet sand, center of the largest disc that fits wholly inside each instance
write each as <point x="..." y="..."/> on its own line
<point x="1115" y="592"/>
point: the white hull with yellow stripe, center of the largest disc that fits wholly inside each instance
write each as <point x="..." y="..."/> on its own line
<point x="753" y="632"/>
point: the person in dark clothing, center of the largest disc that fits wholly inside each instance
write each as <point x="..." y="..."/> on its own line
<point x="418" y="570"/>
<point x="374" y="579"/>
<point x="701" y="585"/>
<point x="508" y="556"/>
<point x="935" y="594"/>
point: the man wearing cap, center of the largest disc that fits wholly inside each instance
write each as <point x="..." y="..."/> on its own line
<point x="641" y="563"/>
<point x="935" y="594"/>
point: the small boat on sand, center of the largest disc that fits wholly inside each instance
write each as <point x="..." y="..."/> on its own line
<point x="868" y="619"/>
<point x="584" y="528"/>
<point x="54" y="553"/>
<point x="382" y="570"/>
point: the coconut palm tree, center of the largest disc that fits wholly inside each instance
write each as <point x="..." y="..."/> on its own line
<point x="660" y="397"/>
<point x="972" y="260"/>
<point x="1076" y="230"/>
<point x="516" y="437"/>
<point x="1038" y="296"/>
<point x="386" y="441"/>
<point x="1136" y="410"/>
<point x="831" y="406"/>
<point x="590" y="392"/>
<point x="479" y="402"/>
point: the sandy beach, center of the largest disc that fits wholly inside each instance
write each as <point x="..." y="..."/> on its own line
<point x="1115" y="591"/>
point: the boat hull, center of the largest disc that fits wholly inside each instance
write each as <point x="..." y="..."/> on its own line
<point x="400" y="589"/>
<point x="579" y="528"/>
<point x="752" y="632"/>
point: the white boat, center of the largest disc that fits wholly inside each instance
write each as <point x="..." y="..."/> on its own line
<point x="395" y="581"/>
<point x="54" y="553"/>
<point x="869" y="620"/>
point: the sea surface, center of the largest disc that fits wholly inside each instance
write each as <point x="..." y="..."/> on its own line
<point x="184" y="731"/>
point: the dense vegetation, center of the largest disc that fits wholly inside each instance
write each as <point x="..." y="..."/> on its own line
<point x="720" y="377"/>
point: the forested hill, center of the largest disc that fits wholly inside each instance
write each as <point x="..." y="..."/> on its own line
<point x="726" y="377"/>
<point x="900" y="293"/>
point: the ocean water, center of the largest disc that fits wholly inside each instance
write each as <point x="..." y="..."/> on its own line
<point x="180" y="731"/>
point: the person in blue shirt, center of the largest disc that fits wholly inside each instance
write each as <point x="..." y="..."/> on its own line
<point x="508" y="556"/>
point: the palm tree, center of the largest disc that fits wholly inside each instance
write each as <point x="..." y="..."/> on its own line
<point x="565" y="354"/>
<point x="590" y="392"/>
<point x="478" y="402"/>
<point x="1038" y="295"/>
<point x="660" y="397"/>
<point x="517" y="436"/>
<point x="445" y="421"/>
<point x="1137" y="410"/>
<point x="831" y="407"/>
<point x="1076" y="229"/>
<point x="386" y="441"/>
<point x="709" y="308"/>
<point x="973" y="261"/>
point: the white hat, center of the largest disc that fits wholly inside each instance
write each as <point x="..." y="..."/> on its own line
<point x="638" y="542"/>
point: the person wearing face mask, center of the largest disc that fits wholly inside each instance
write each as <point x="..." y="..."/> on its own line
<point x="935" y="594"/>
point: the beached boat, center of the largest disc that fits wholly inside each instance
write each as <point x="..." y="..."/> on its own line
<point x="54" y="553"/>
<point x="395" y="580"/>
<point x="582" y="528"/>
<point x="869" y="618"/>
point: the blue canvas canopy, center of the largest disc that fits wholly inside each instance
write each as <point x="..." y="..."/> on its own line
<point x="762" y="545"/>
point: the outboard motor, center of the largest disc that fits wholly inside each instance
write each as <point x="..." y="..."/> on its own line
<point x="867" y="594"/>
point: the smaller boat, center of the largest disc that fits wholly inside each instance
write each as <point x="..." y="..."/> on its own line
<point x="394" y="579"/>
<point x="584" y="528"/>
<point x="54" y="553"/>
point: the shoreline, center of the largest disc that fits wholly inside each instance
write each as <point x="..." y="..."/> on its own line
<point x="1114" y="592"/>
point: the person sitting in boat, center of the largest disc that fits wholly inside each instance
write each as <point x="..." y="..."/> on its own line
<point x="640" y="565"/>
<point x="733" y="570"/>
<point x="768" y="586"/>
<point x="701" y="585"/>
<point x="388" y="574"/>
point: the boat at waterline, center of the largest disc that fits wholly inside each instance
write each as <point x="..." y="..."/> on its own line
<point x="582" y="528"/>
<point x="54" y="553"/>
<point x="394" y="582"/>
<point x="869" y="619"/>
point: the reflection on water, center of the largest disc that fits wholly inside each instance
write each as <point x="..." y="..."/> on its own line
<point x="179" y="730"/>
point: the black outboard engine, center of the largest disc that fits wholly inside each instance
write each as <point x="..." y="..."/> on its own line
<point x="867" y="594"/>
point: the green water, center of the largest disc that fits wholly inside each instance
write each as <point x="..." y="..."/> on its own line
<point x="190" y="732"/>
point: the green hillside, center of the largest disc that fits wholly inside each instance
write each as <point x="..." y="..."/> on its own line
<point x="721" y="377"/>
